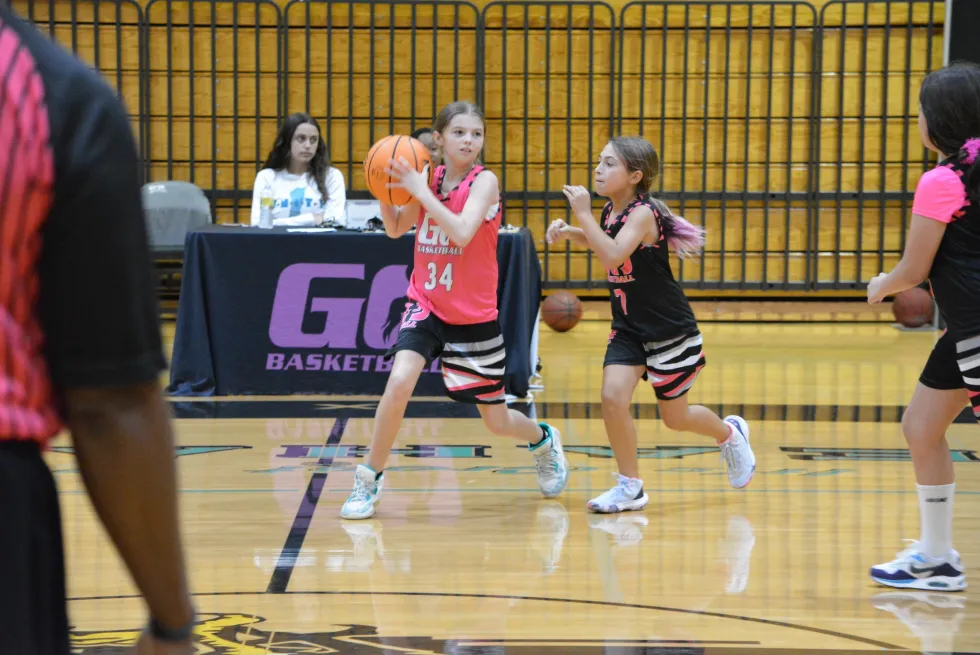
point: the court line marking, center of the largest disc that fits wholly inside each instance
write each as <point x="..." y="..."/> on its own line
<point x="304" y="515"/>
<point x="575" y="601"/>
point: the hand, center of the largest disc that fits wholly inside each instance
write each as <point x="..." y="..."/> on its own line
<point x="875" y="294"/>
<point x="579" y="198"/>
<point x="557" y="231"/>
<point x="404" y="176"/>
<point x="147" y="645"/>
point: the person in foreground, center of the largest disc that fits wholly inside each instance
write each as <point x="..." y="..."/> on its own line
<point x="452" y="311"/>
<point x="943" y="245"/>
<point x="79" y="348"/>
<point x="654" y="333"/>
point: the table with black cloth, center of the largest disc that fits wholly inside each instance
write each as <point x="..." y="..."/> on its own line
<point x="296" y="311"/>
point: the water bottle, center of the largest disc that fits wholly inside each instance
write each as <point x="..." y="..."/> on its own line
<point x="266" y="202"/>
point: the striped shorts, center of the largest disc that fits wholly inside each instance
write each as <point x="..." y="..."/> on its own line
<point x="955" y="364"/>
<point x="671" y="365"/>
<point x="473" y="356"/>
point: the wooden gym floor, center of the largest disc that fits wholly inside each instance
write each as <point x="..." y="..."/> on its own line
<point x="464" y="556"/>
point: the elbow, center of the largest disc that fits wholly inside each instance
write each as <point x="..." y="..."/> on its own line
<point x="612" y="260"/>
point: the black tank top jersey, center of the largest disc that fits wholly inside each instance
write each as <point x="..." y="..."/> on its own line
<point x="647" y="302"/>
<point x="955" y="273"/>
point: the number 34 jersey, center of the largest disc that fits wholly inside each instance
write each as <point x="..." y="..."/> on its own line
<point x="459" y="285"/>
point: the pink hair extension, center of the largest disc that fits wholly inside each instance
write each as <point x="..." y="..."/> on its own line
<point x="686" y="239"/>
<point x="972" y="147"/>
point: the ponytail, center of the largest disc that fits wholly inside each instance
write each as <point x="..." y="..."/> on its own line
<point x="683" y="237"/>
<point x="971" y="179"/>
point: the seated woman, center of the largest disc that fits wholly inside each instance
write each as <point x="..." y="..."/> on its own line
<point x="306" y="190"/>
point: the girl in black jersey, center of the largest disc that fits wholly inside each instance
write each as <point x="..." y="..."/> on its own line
<point x="943" y="245"/>
<point x="654" y="333"/>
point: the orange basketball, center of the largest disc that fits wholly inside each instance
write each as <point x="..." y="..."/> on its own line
<point x="388" y="148"/>
<point x="561" y="311"/>
<point x="913" y="307"/>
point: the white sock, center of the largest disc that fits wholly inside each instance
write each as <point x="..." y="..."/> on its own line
<point x="936" y="518"/>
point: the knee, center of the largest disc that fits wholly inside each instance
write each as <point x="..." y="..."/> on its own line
<point x="497" y="422"/>
<point x="400" y="385"/>
<point x="915" y="430"/>
<point x="676" y="421"/>
<point x="615" y="398"/>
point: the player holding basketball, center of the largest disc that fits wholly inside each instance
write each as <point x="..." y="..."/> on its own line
<point x="943" y="245"/>
<point x="453" y="308"/>
<point x="654" y="333"/>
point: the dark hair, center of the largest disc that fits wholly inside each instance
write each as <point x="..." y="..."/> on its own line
<point x="278" y="157"/>
<point x="638" y="154"/>
<point x="950" y="103"/>
<point x="419" y="132"/>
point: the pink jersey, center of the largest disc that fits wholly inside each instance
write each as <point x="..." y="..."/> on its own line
<point x="459" y="285"/>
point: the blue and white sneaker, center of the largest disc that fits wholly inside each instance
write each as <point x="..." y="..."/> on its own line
<point x="737" y="454"/>
<point x="626" y="496"/>
<point x="368" y="488"/>
<point x="550" y="461"/>
<point x="913" y="569"/>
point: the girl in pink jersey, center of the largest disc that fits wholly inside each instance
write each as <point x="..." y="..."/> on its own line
<point x="654" y="333"/>
<point x="453" y="308"/>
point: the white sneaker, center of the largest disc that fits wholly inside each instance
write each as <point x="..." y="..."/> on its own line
<point x="626" y="496"/>
<point x="366" y="495"/>
<point x="549" y="459"/>
<point x="737" y="453"/>
<point x="913" y="569"/>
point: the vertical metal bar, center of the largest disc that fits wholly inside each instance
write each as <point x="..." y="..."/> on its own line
<point x="328" y="42"/>
<point x="815" y="139"/>
<point x="350" y="89"/>
<point x="724" y="148"/>
<point x="414" y="66"/>
<point x="768" y="142"/>
<point x="663" y="79"/>
<point x="96" y="41"/>
<point x="527" y="42"/>
<point x="391" y="67"/>
<point x="371" y="71"/>
<point x="789" y="148"/>
<point x="547" y="104"/>
<point x="839" y="190"/>
<point x="685" y="80"/>
<point x="456" y="51"/>
<point x="705" y="129"/>
<point x="745" y="165"/>
<point x="861" y="134"/>
<point x="884" y="146"/>
<point x="906" y="121"/>
<point x="569" y="45"/>
<point x="73" y="12"/>
<point x="435" y="60"/>
<point x="619" y="70"/>
<point x="170" y="93"/>
<point x="307" y="81"/>
<point x="258" y="90"/>
<point x="234" y="96"/>
<point x="503" y="104"/>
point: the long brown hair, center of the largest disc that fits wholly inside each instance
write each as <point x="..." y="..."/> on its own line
<point x="638" y="154"/>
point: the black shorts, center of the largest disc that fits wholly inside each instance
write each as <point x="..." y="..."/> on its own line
<point x="473" y="356"/>
<point x="955" y="364"/>
<point x="33" y="613"/>
<point x="671" y="365"/>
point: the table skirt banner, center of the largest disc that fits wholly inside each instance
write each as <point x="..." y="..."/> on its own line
<point x="273" y="312"/>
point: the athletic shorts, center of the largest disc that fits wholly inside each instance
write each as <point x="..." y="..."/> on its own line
<point x="33" y="613"/>
<point x="671" y="365"/>
<point x="955" y="364"/>
<point x="473" y="356"/>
